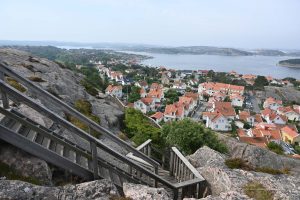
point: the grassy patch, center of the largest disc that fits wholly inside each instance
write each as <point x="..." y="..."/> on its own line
<point x="36" y="79"/>
<point x="15" y="84"/>
<point x="85" y="107"/>
<point x="11" y="174"/>
<point x="122" y="136"/>
<point x="114" y="197"/>
<point x="257" y="191"/>
<point x="276" y="148"/>
<point x="237" y="163"/>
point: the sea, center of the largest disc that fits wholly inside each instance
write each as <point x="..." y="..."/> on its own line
<point x="258" y="65"/>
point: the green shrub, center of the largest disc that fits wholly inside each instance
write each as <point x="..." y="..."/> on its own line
<point x="139" y="129"/>
<point x="257" y="191"/>
<point x="36" y="79"/>
<point x="11" y="174"/>
<point x="189" y="136"/>
<point x="15" y="84"/>
<point x="272" y="146"/>
<point x="89" y="88"/>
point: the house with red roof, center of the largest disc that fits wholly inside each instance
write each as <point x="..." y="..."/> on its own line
<point x="220" y="117"/>
<point x="145" y="105"/>
<point x="290" y="135"/>
<point x="188" y="103"/>
<point x="142" y="84"/>
<point x="210" y="88"/>
<point x="290" y="112"/>
<point x="158" y="116"/>
<point x="272" y="103"/>
<point x="174" y="112"/>
<point x="272" y="116"/>
<point x="143" y="92"/>
<point x="156" y="94"/>
<point x="237" y="100"/>
<point x="114" y="90"/>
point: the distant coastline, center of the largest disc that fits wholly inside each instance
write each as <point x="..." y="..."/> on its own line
<point x="292" y="63"/>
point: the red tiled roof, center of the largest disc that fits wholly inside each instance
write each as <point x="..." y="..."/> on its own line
<point x="272" y="100"/>
<point x="225" y="108"/>
<point x="157" y="115"/>
<point x="260" y="142"/>
<point x="147" y="100"/>
<point x="287" y="130"/>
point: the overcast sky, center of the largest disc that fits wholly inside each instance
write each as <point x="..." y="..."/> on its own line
<point x="230" y="23"/>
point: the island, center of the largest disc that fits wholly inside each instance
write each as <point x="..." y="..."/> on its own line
<point x="295" y="63"/>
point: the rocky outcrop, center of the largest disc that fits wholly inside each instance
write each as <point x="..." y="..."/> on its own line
<point x="259" y="157"/>
<point x="100" y="190"/>
<point x="59" y="81"/>
<point x="224" y="181"/>
<point x="142" y="192"/>
<point x="25" y="164"/>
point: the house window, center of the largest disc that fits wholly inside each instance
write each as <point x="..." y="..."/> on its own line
<point x="216" y="126"/>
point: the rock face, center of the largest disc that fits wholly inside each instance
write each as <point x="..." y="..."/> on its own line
<point x="142" y="192"/>
<point x="259" y="157"/>
<point x="25" y="164"/>
<point x="61" y="82"/>
<point x="226" y="183"/>
<point x="100" y="190"/>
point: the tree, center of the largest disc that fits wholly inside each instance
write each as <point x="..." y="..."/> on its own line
<point x="134" y="94"/>
<point x="172" y="96"/>
<point x="189" y="136"/>
<point x="227" y="99"/>
<point x="139" y="129"/>
<point x="260" y="82"/>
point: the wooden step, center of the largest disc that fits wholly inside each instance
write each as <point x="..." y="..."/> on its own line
<point x="59" y="149"/>
<point x="31" y="135"/>
<point x="46" y="142"/>
<point x="39" y="139"/>
<point x="24" y="131"/>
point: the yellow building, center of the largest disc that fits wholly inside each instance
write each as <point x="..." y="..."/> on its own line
<point x="290" y="136"/>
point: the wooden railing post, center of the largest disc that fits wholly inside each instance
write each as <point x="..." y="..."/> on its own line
<point x="95" y="160"/>
<point x="171" y="162"/>
<point x="4" y="98"/>
<point x="156" y="172"/>
<point x="175" y="192"/>
<point x="149" y="150"/>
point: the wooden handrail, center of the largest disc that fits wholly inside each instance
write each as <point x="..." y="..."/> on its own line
<point x="16" y="96"/>
<point x="187" y="163"/>
<point x="46" y="96"/>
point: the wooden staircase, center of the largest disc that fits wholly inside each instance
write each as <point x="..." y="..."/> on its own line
<point x="99" y="160"/>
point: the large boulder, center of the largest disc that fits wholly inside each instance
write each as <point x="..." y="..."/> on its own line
<point x="224" y="181"/>
<point x="142" y="192"/>
<point x="100" y="190"/>
<point x="259" y="157"/>
<point x="24" y="164"/>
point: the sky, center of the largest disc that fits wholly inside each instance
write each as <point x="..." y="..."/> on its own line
<point x="224" y="23"/>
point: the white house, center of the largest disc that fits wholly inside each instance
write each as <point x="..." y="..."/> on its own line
<point x="145" y="105"/>
<point x="237" y="100"/>
<point x="217" y="121"/>
<point x="272" y="117"/>
<point x="290" y="113"/>
<point x="272" y="103"/>
<point x="114" y="91"/>
<point x="220" y="116"/>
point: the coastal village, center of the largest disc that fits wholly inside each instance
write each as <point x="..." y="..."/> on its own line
<point x="242" y="110"/>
